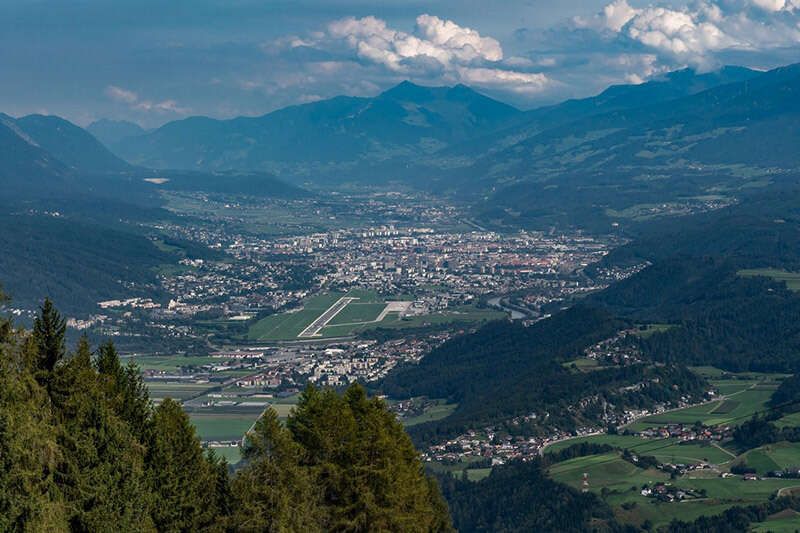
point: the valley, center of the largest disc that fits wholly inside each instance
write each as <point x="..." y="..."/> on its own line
<point x="585" y="311"/>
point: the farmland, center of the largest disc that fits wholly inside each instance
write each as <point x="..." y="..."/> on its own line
<point x="437" y="411"/>
<point x="772" y="457"/>
<point x="791" y="279"/>
<point x="711" y="488"/>
<point x="665" y="450"/>
<point x="620" y="482"/>
<point x="742" y="399"/>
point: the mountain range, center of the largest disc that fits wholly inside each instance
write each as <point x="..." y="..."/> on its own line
<point x="405" y="121"/>
<point x="680" y="140"/>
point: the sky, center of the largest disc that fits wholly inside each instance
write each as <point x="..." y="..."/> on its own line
<point x="153" y="61"/>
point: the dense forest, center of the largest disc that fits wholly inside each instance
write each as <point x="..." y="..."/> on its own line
<point x="82" y="448"/>
<point x="505" y="370"/>
<point x="695" y="283"/>
<point x="521" y="497"/>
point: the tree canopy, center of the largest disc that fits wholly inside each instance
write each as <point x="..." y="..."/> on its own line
<point x="82" y="448"/>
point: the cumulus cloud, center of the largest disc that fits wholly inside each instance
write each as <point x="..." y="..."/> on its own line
<point x="700" y="29"/>
<point x="436" y="49"/>
<point x="700" y="34"/>
<point x="132" y="100"/>
<point x="777" y="5"/>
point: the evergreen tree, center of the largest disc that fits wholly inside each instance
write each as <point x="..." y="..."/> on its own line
<point x="101" y="471"/>
<point x="273" y="492"/>
<point x="370" y="473"/>
<point x="183" y="482"/>
<point x="30" y="499"/>
<point x="82" y="449"/>
<point x="49" y="330"/>
<point x="126" y="390"/>
<point x="5" y="323"/>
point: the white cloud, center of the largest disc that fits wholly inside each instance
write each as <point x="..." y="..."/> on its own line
<point x="130" y="98"/>
<point x="777" y="5"/>
<point x="121" y="95"/>
<point x="437" y="48"/>
<point x="694" y="34"/>
<point x="617" y="14"/>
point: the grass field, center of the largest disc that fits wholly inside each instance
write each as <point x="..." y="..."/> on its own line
<point x="436" y="412"/>
<point x="231" y="455"/>
<point x="357" y="316"/>
<point x="287" y="326"/>
<point x="176" y="391"/>
<point x="648" y="330"/>
<point x="357" y="312"/>
<point x="170" y="363"/>
<point x="792" y="279"/>
<point x="466" y="314"/>
<point x="746" y="398"/>
<point x="624" y="481"/>
<point x="773" y="457"/>
<point x="222" y="426"/>
<point x="784" y="522"/>
<point x="665" y="450"/>
<point x="457" y="469"/>
<point x="584" y="364"/>
<point x="790" y="420"/>
<point x="747" y="393"/>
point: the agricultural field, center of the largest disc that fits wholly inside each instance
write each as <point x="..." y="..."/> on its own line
<point x="665" y="450"/>
<point x="790" y="420"/>
<point x="583" y="364"/>
<point x="170" y="363"/>
<point x="771" y="457"/>
<point x="784" y="522"/>
<point x="222" y="426"/>
<point x="742" y="399"/>
<point x="177" y="391"/>
<point x="791" y="279"/>
<point x="458" y="469"/>
<point x="436" y="412"/>
<point x="619" y="483"/>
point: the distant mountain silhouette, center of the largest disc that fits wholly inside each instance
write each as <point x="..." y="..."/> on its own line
<point x="407" y="120"/>
<point x="110" y="132"/>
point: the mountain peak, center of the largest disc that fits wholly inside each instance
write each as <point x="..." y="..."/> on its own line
<point x="407" y="90"/>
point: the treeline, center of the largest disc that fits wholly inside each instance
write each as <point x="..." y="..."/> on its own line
<point x="82" y="448"/>
<point x="735" y="519"/>
<point x="505" y="370"/>
<point x="75" y="262"/>
<point x="721" y="318"/>
<point x="520" y="497"/>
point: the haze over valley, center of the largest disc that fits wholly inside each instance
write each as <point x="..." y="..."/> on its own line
<point x="414" y="274"/>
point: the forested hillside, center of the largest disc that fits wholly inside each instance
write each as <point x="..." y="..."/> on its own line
<point x="505" y="370"/>
<point x="82" y="448"/>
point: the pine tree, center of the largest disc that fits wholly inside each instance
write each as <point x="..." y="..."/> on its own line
<point x="126" y="390"/>
<point x="30" y="499"/>
<point x="49" y="331"/>
<point x="273" y="492"/>
<point x="5" y="323"/>
<point x="102" y="472"/>
<point x="182" y="480"/>
<point x="367" y="466"/>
